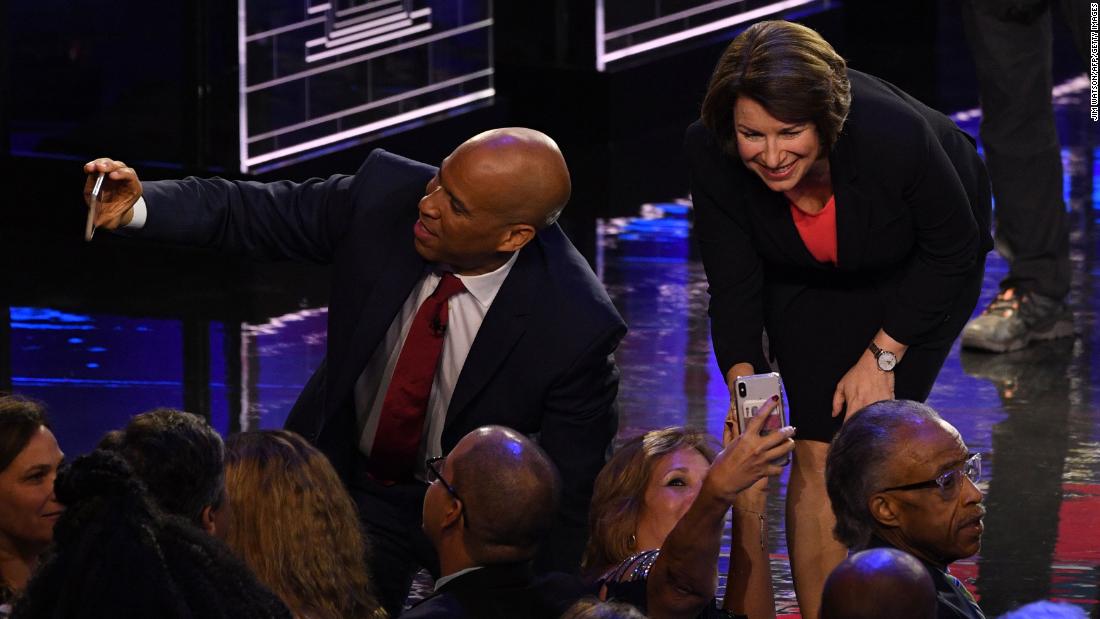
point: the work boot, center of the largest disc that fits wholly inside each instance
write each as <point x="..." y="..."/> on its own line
<point x="1014" y="319"/>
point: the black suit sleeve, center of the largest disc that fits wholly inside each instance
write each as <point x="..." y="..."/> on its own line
<point x="735" y="271"/>
<point x="579" y="421"/>
<point x="947" y="240"/>
<point x="281" y="220"/>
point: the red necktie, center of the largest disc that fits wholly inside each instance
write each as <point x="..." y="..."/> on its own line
<point x="402" y="417"/>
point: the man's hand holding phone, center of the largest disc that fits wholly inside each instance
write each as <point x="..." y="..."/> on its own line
<point x="119" y="189"/>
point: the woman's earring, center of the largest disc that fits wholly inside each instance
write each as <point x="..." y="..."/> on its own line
<point x="633" y="540"/>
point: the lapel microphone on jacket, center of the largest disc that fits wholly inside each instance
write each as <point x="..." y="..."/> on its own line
<point x="437" y="326"/>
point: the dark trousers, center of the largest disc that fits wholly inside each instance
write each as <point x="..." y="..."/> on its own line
<point x="397" y="545"/>
<point x="1011" y="44"/>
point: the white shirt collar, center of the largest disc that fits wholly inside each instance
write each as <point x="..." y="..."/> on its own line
<point x="449" y="577"/>
<point x="485" y="287"/>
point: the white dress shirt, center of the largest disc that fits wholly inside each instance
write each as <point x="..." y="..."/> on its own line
<point x="465" y="313"/>
<point x="140" y="212"/>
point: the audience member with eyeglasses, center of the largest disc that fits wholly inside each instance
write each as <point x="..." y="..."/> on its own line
<point x="490" y="505"/>
<point x="899" y="476"/>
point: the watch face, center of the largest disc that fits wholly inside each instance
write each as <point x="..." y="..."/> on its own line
<point x="887" y="361"/>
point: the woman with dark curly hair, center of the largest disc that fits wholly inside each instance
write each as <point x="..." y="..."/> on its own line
<point x="293" y="523"/>
<point x="29" y="459"/>
<point x="115" y="554"/>
<point x="851" y="222"/>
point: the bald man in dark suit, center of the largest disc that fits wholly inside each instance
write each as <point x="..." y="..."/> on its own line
<point x="529" y="337"/>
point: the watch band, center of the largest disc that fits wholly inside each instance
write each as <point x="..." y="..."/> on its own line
<point x="886" y="359"/>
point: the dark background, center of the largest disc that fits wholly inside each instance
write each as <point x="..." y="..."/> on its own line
<point x="154" y="84"/>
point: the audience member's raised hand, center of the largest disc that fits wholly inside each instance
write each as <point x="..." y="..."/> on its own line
<point x="730" y="431"/>
<point x="121" y="189"/>
<point x="749" y="457"/>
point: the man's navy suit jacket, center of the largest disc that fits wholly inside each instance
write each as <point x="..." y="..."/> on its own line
<point x="505" y="591"/>
<point x="541" y="362"/>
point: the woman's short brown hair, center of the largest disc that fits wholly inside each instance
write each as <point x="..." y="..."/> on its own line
<point x="620" y="492"/>
<point x="790" y="70"/>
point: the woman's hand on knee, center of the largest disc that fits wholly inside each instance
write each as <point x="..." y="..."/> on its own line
<point x="863" y="384"/>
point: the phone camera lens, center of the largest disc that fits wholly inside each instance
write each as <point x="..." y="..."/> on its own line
<point x="741" y="390"/>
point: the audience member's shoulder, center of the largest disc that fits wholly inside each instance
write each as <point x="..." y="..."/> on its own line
<point x="436" y="607"/>
<point x="562" y="586"/>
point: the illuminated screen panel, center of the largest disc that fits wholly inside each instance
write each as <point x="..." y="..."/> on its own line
<point x="321" y="75"/>
<point x="628" y="29"/>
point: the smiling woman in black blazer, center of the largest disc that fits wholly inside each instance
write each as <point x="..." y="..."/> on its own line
<point x="850" y="222"/>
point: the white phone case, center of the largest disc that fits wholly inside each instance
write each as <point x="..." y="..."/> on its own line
<point x="750" y="393"/>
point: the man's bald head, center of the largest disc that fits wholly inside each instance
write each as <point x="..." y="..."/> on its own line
<point x="523" y="168"/>
<point x="881" y="582"/>
<point x="511" y="492"/>
<point x="490" y="198"/>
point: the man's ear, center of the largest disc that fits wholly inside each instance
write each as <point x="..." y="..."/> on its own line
<point x="206" y="520"/>
<point x="516" y="237"/>
<point x="453" y="514"/>
<point x="884" y="510"/>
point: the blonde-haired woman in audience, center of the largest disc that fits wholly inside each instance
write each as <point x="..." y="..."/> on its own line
<point x="29" y="459"/>
<point x="293" y="523"/>
<point x="646" y="474"/>
<point x="658" y="511"/>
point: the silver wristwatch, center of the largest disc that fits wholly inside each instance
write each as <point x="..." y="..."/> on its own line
<point x="886" y="359"/>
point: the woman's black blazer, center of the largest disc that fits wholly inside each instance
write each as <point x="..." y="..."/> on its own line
<point x="913" y="212"/>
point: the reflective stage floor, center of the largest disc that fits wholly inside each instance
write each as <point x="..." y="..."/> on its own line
<point x="1035" y="414"/>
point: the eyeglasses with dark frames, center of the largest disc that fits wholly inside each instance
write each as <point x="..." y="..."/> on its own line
<point x="948" y="483"/>
<point x="434" y="465"/>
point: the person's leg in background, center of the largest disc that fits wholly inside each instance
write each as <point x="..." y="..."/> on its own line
<point x="1077" y="15"/>
<point x="1011" y="42"/>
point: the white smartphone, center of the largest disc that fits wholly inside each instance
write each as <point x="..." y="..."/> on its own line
<point x="89" y="223"/>
<point x="751" y="393"/>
